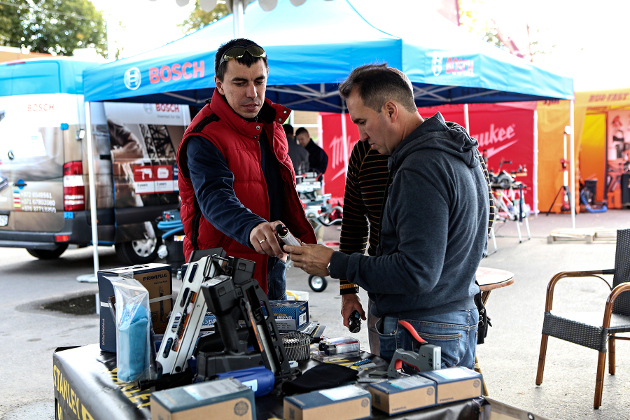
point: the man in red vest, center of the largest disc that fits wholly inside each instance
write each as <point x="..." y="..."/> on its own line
<point x="236" y="180"/>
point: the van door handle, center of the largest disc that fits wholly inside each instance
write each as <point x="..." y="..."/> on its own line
<point x="20" y="184"/>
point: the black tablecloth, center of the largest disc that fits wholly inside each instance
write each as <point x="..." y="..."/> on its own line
<point x="86" y="387"/>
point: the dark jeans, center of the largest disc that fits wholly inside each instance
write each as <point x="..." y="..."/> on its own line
<point x="455" y="332"/>
<point x="276" y="279"/>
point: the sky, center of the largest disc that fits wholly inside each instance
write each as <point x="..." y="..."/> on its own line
<point x="586" y="40"/>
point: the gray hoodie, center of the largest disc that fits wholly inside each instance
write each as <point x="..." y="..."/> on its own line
<point x="433" y="228"/>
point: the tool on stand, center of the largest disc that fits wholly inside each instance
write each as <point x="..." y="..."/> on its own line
<point x="248" y="338"/>
<point x="244" y="339"/>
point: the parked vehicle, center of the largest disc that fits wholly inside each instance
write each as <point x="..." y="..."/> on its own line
<point x="44" y="194"/>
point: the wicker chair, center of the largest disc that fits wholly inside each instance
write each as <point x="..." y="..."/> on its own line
<point x="585" y="329"/>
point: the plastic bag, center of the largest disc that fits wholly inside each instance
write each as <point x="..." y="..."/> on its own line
<point x="133" y="330"/>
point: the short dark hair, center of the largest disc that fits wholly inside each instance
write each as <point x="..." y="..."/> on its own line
<point x="300" y="131"/>
<point x="376" y="84"/>
<point x="288" y="129"/>
<point x="247" y="59"/>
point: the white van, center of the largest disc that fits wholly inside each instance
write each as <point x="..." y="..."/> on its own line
<point x="44" y="195"/>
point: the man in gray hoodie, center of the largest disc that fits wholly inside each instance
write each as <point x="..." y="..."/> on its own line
<point x="433" y="226"/>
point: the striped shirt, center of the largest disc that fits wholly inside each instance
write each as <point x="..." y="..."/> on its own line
<point x="363" y="203"/>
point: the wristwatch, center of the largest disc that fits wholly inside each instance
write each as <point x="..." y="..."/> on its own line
<point x="328" y="268"/>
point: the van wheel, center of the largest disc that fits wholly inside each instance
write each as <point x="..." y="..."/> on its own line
<point x="48" y="254"/>
<point x="138" y="252"/>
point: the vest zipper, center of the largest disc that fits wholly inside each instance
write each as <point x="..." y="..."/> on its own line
<point x="195" y="226"/>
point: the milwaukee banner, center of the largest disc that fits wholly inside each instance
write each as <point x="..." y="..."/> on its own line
<point x="506" y="134"/>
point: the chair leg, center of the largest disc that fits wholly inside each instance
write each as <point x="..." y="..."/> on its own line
<point x="611" y="354"/>
<point x="599" y="381"/>
<point x="541" y="359"/>
<point x="483" y="382"/>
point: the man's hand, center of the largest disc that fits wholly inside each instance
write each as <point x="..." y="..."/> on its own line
<point x="350" y="302"/>
<point x="130" y="150"/>
<point x="313" y="259"/>
<point x="263" y="238"/>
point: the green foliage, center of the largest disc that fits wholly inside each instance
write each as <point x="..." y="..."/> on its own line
<point x="472" y="18"/>
<point x="52" y="26"/>
<point x="198" y="18"/>
<point x="476" y="17"/>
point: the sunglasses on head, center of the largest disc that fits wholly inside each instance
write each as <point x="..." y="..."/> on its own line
<point x="236" y="53"/>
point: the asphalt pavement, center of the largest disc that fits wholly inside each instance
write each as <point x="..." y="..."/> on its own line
<point x="508" y="358"/>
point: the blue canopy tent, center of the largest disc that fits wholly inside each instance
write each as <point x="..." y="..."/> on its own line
<point x="312" y="48"/>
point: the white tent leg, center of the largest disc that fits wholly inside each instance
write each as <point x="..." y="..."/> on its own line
<point x="466" y="118"/>
<point x="237" y="11"/>
<point x="572" y="162"/>
<point x="92" y="191"/>
<point x="344" y="133"/>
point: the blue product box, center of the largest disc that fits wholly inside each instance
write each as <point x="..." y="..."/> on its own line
<point x="289" y="314"/>
<point x="455" y="384"/>
<point x="347" y="403"/>
<point x="401" y="395"/>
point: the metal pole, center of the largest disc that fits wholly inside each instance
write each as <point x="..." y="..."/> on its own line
<point x="466" y="118"/>
<point x="237" y="16"/>
<point x="572" y="162"/>
<point x="92" y="191"/>
<point x="344" y="133"/>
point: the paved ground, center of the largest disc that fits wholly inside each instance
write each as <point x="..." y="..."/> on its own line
<point x="508" y="358"/>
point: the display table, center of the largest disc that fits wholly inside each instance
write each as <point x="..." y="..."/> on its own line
<point x="87" y="388"/>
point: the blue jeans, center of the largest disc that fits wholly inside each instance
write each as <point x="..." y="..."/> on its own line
<point x="454" y="332"/>
<point x="276" y="279"/>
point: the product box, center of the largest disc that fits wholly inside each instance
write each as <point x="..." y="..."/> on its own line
<point x="455" y="384"/>
<point x="404" y="394"/>
<point x="156" y="278"/>
<point x="222" y="399"/>
<point x="347" y="403"/>
<point x="289" y="314"/>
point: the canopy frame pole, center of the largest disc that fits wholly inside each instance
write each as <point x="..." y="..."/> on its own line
<point x="92" y="191"/>
<point x="466" y="118"/>
<point x="344" y="134"/>
<point x="237" y="16"/>
<point x="572" y="161"/>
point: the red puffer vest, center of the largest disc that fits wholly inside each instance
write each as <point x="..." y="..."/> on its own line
<point x="237" y="139"/>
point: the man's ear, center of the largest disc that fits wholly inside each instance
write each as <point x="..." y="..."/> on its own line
<point x="391" y="110"/>
<point x="219" y="85"/>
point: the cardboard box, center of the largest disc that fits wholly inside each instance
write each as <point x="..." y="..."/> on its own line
<point x="346" y="402"/>
<point x="455" y="384"/>
<point x="156" y="278"/>
<point x="404" y="394"/>
<point x="289" y="314"/>
<point x="223" y="399"/>
<point x="496" y="410"/>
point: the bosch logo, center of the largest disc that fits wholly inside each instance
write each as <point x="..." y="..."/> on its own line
<point x="436" y="65"/>
<point x="133" y="78"/>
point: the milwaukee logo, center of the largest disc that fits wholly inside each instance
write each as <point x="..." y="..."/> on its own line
<point x="495" y="135"/>
<point x="338" y="162"/>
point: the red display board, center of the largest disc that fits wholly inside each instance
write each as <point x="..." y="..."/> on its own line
<point x="505" y="131"/>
